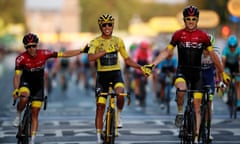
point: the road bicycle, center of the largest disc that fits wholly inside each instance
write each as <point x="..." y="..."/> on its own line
<point x="205" y="110"/>
<point x="187" y="130"/>
<point x="143" y="91"/>
<point x="232" y="96"/>
<point x="111" y="121"/>
<point x="24" y="128"/>
<point x="167" y="91"/>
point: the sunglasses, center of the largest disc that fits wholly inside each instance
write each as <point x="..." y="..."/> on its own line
<point x="191" y="19"/>
<point x="107" y="24"/>
<point x="30" y="46"/>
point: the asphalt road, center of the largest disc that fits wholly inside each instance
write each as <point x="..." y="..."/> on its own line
<point x="69" y="118"/>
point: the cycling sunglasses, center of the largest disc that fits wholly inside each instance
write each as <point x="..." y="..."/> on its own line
<point x="105" y="24"/>
<point x="191" y="19"/>
<point x="30" y="46"/>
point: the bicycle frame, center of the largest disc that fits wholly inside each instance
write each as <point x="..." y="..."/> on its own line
<point x="24" y="129"/>
<point x="187" y="131"/>
<point x="143" y="94"/>
<point x="232" y="96"/>
<point x="111" y="130"/>
<point x="167" y="91"/>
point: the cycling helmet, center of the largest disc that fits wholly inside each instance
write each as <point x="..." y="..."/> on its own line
<point x="144" y="44"/>
<point x="132" y="47"/>
<point x="232" y="41"/>
<point x="29" y="39"/>
<point x="105" y="18"/>
<point x="191" y="11"/>
<point x="212" y="39"/>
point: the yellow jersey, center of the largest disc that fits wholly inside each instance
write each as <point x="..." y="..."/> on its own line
<point x="113" y="46"/>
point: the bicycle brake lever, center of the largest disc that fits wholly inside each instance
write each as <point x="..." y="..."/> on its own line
<point x="45" y="103"/>
<point x="14" y="102"/>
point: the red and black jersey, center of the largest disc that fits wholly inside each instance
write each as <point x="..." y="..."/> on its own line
<point x="190" y="46"/>
<point x="33" y="67"/>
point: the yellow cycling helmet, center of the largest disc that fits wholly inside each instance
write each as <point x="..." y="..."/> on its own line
<point x="105" y="18"/>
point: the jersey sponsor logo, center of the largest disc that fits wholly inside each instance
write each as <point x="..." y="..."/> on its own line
<point x="192" y="45"/>
<point x="109" y="59"/>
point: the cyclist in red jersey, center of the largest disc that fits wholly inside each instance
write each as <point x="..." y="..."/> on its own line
<point x="190" y="42"/>
<point x="142" y="56"/>
<point x="29" y="77"/>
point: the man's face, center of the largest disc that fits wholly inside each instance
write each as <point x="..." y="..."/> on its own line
<point x="191" y="22"/>
<point x="31" y="49"/>
<point x="106" y="29"/>
<point x="232" y="49"/>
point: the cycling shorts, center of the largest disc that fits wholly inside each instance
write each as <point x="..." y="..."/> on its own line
<point x="232" y="68"/>
<point x="104" y="78"/>
<point x="208" y="78"/>
<point x="36" y="91"/>
<point x="193" y="77"/>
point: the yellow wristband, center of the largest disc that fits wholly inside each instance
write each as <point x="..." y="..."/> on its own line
<point x="60" y="54"/>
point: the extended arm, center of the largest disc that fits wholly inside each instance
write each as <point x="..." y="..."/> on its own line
<point x="16" y="79"/>
<point x="216" y="61"/>
<point x="69" y="53"/>
<point x="219" y="67"/>
<point x="16" y="82"/>
<point x="163" y="55"/>
<point x="132" y="63"/>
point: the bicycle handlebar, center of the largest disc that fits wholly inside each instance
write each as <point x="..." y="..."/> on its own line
<point x="120" y="94"/>
<point x="14" y="102"/>
<point x="235" y="74"/>
<point x="113" y="94"/>
<point x="188" y="90"/>
<point x="44" y="107"/>
<point x="45" y="102"/>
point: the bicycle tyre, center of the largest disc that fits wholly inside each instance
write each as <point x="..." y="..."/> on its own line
<point x="234" y="95"/>
<point x="107" y="128"/>
<point x="168" y="98"/>
<point x="26" y="126"/>
<point x="109" y="137"/>
<point x="232" y="102"/>
<point x="190" y="126"/>
<point x="204" y="131"/>
<point x="181" y="135"/>
<point x="142" y="95"/>
<point x="208" y="125"/>
<point x="112" y="127"/>
<point x="19" y="135"/>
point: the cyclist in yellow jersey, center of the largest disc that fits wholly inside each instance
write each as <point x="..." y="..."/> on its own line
<point x="104" y="50"/>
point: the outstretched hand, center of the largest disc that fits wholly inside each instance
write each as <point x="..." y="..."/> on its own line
<point x="149" y="66"/>
<point x="147" y="69"/>
<point x="226" y="78"/>
<point x="15" y="93"/>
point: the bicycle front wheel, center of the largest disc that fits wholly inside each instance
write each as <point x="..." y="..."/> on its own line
<point x="110" y="127"/>
<point x="26" y="127"/>
<point x="204" y="132"/>
<point x="232" y="102"/>
<point x="113" y="127"/>
<point x="190" y="126"/>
